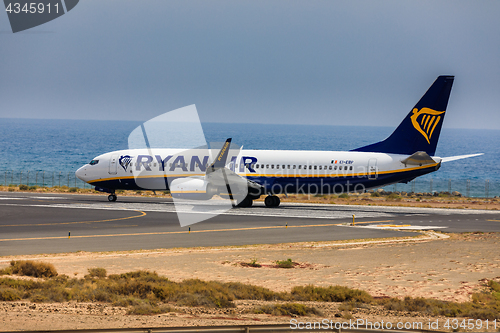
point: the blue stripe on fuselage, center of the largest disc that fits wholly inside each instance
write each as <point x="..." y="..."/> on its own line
<point x="276" y="184"/>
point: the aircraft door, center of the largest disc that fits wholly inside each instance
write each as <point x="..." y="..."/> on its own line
<point x="372" y="168"/>
<point x="113" y="164"/>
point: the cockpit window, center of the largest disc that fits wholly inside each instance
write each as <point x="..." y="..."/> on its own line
<point x="94" y="162"/>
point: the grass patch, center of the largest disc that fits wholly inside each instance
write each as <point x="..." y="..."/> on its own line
<point x="147" y="293"/>
<point x="23" y="187"/>
<point x="288" y="309"/>
<point x="285" y="263"/>
<point x="32" y="268"/>
<point x="133" y="289"/>
<point x="393" y="196"/>
<point x="252" y="263"/>
<point x="344" y="196"/>
<point x="484" y="306"/>
<point x="330" y="294"/>
<point x="96" y="272"/>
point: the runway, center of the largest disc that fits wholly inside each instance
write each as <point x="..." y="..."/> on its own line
<point x="34" y="223"/>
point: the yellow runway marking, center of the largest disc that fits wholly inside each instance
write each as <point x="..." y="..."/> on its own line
<point x="493" y="220"/>
<point x="176" y="232"/>
<point x="78" y="222"/>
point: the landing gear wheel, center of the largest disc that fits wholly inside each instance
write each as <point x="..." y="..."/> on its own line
<point x="272" y="201"/>
<point x="112" y="197"/>
<point x="247" y="202"/>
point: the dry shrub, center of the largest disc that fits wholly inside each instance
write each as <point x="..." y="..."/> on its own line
<point x="97" y="272"/>
<point x="33" y="268"/>
<point x="9" y="294"/>
<point x="330" y="294"/>
<point x="483" y="306"/>
<point x="143" y="290"/>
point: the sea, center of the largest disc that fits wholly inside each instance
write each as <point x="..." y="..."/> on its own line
<point x="48" y="152"/>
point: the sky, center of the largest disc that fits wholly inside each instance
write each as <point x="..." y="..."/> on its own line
<point x="274" y="62"/>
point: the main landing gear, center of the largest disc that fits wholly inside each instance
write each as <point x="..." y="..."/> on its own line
<point x="272" y="201"/>
<point x="112" y="197"/>
<point x="247" y="202"/>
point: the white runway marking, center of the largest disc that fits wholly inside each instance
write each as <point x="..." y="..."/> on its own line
<point x="26" y="198"/>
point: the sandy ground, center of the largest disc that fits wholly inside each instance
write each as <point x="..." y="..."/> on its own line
<point x="442" y="268"/>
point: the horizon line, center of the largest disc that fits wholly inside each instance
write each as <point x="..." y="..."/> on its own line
<point x="253" y="123"/>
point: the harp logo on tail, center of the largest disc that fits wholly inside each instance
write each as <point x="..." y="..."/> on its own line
<point x="427" y="123"/>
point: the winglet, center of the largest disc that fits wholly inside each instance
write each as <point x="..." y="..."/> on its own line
<point x="220" y="160"/>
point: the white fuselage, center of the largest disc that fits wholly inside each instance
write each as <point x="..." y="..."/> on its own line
<point x="277" y="171"/>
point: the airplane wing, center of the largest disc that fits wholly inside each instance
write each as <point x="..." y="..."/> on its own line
<point x="454" y="158"/>
<point x="218" y="174"/>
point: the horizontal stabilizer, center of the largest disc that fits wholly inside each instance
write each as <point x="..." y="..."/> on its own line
<point x="419" y="158"/>
<point x="454" y="158"/>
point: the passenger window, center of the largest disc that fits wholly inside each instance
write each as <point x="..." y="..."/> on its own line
<point x="294" y="166"/>
<point x="315" y="167"/>
<point x="330" y="167"/>
<point x="257" y="166"/>
<point x="335" y="168"/>
<point x="320" y="167"/>
<point x="310" y="167"/>
<point x="345" y="168"/>
<point x="277" y="166"/>
<point x="267" y="166"/>
<point x="300" y="166"/>
<point x="350" y="168"/>
<point x="272" y="166"/>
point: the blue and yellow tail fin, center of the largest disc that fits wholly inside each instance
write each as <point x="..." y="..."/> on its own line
<point x="420" y="130"/>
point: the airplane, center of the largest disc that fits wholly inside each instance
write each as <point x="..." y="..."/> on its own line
<point x="405" y="155"/>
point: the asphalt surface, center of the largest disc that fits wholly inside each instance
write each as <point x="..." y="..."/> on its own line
<point x="34" y="223"/>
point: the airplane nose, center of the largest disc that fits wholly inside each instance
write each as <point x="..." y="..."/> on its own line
<point x="81" y="173"/>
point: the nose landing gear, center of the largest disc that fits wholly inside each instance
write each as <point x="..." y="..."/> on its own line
<point x="112" y="197"/>
<point x="272" y="201"/>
